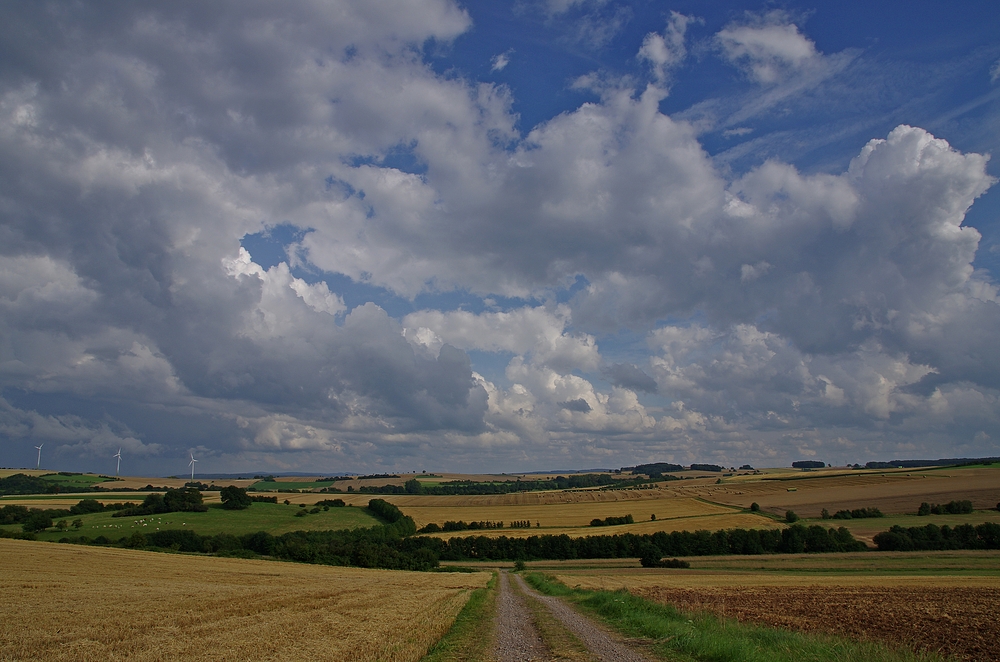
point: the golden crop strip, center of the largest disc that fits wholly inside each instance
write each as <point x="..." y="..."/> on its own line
<point x="573" y="510"/>
<point x="66" y="602"/>
<point x="695" y="523"/>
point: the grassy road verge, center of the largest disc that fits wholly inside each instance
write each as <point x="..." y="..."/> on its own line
<point x="471" y="635"/>
<point x="675" y="635"/>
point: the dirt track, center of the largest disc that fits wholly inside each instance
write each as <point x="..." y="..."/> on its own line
<point x="960" y="622"/>
<point x="518" y="639"/>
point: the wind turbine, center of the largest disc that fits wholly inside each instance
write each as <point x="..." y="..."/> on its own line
<point x="119" y="456"/>
<point x="39" y="463"/>
<point x="192" y="466"/>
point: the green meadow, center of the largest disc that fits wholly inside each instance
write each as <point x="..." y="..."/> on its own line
<point x="275" y="518"/>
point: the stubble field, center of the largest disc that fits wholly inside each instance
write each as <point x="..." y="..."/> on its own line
<point x="64" y="602"/>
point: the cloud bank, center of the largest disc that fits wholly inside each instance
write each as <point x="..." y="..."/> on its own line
<point x="777" y="313"/>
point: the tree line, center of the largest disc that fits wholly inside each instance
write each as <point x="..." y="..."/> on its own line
<point x="857" y="513"/>
<point x="962" y="507"/>
<point x="792" y="540"/>
<point x="469" y="487"/>
<point x="933" y="537"/>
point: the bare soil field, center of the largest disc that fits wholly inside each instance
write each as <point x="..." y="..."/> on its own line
<point x="958" y="621"/>
<point x="941" y="601"/>
<point x="64" y="602"/>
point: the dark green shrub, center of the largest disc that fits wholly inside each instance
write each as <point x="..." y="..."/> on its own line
<point x="754" y="507"/>
<point x="235" y="498"/>
<point x="37" y="520"/>
<point x="791" y="517"/>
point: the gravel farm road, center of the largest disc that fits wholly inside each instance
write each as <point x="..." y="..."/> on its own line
<point x="518" y="638"/>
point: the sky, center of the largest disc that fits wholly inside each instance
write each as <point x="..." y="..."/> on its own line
<point x="386" y="235"/>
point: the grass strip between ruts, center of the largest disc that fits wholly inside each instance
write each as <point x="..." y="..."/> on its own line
<point x="471" y="635"/>
<point x="676" y="635"/>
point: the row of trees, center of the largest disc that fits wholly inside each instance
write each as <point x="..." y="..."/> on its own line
<point x="186" y="499"/>
<point x="469" y="487"/>
<point x="933" y="537"/>
<point x="795" y="539"/>
<point x="460" y="526"/>
<point x="612" y="521"/>
<point x="951" y="508"/>
<point x="857" y="513"/>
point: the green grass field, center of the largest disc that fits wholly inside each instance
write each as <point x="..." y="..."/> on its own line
<point x="273" y="518"/>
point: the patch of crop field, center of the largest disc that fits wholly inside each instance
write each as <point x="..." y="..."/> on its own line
<point x="706" y="522"/>
<point x="67" y="500"/>
<point x="866" y="529"/>
<point x="274" y="485"/>
<point x="572" y="509"/>
<point x="273" y="518"/>
<point x="893" y="492"/>
<point x="842" y="569"/>
<point x="139" y="482"/>
<point x="941" y="601"/>
<point x="65" y="602"/>
<point x="4" y="473"/>
<point x="82" y="480"/>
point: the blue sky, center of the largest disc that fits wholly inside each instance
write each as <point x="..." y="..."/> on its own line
<point x="365" y="236"/>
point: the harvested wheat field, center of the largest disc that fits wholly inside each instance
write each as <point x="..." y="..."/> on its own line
<point x="953" y="614"/>
<point x="899" y="491"/>
<point x="707" y="522"/>
<point x="63" y="602"/>
<point x="567" y="508"/>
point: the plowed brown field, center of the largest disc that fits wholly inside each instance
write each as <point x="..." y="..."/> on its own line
<point x="955" y="621"/>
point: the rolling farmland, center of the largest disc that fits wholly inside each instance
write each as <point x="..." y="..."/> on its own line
<point x="273" y="518"/>
<point x="67" y="602"/>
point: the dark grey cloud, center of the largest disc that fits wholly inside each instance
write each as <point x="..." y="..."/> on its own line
<point x="578" y="404"/>
<point x="630" y="376"/>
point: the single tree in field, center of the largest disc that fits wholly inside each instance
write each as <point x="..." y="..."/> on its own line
<point x="37" y="521"/>
<point x="791" y="517"/>
<point x="235" y="498"/>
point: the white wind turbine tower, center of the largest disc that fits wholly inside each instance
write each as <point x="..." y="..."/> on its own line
<point x="192" y="466"/>
<point x="119" y="456"/>
<point x="39" y="463"/>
